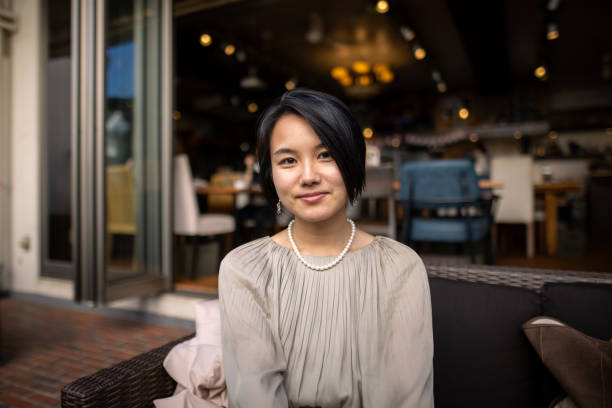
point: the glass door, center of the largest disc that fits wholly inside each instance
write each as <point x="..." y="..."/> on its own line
<point x="129" y="149"/>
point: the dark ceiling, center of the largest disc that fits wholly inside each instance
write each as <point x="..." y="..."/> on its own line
<point x="485" y="50"/>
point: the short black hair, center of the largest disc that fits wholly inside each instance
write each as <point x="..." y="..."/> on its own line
<point x="331" y="120"/>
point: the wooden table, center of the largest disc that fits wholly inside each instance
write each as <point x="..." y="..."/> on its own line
<point x="484" y="184"/>
<point x="554" y="195"/>
<point x="226" y="190"/>
<point x="223" y="198"/>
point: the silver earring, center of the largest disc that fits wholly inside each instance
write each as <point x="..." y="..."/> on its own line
<point x="279" y="208"/>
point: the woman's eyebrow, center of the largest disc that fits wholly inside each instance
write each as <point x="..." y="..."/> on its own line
<point x="286" y="150"/>
<point x="283" y="150"/>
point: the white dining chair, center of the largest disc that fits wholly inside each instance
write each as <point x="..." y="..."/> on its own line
<point x="188" y="221"/>
<point x="516" y="198"/>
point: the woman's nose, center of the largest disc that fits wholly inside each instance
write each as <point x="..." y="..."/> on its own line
<point x="310" y="173"/>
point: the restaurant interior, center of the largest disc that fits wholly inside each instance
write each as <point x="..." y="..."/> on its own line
<point x="488" y="126"/>
<point x="519" y="90"/>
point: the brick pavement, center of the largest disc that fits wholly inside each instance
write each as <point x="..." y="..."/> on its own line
<point x="45" y="346"/>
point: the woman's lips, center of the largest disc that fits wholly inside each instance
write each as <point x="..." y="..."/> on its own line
<point x="313" y="198"/>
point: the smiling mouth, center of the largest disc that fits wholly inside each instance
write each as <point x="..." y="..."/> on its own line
<point x="312" y="197"/>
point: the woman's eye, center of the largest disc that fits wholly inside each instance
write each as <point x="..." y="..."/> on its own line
<point x="287" y="160"/>
<point x="325" y="155"/>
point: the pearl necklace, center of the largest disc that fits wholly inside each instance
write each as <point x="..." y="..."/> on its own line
<point x="329" y="265"/>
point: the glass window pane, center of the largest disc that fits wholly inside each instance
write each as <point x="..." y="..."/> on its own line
<point x="58" y="149"/>
<point x="132" y="139"/>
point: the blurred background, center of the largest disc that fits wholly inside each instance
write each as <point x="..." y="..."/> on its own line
<point x="127" y="134"/>
<point x="128" y="129"/>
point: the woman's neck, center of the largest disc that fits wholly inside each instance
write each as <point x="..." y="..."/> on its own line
<point x="325" y="238"/>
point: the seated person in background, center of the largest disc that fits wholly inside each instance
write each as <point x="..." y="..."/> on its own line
<point x="251" y="206"/>
<point x="481" y="160"/>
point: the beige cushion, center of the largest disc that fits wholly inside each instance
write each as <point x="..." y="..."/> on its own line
<point x="197" y="364"/>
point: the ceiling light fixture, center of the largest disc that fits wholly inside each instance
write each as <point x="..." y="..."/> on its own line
<point x="552" y="32"/>
<point x="418" y="51"/>
<point x="407" y="33"/>
<point x="368" y="133"/>
<point x="252" y="107"/>
<point x="382" y="6"/>
<point x="540" y="72"/>
<point x="290" y="84"/>
<point x="229" y="49"/>
<point x="339" y="72"/>
<point x="464" y="113"/>
<point x="385" y="77"/>
<point x="364" y="80"/>
<point x="362" y="74"/>
<point x="361" y="67"/>
<point x="346" y="81"/>
<point x="436" y="76"/>
<point x="252" y="81"/>
<point x="380" y="68"/>
<point x="383" y="73"/>
<point x="553" y="5"/>
<point x="314" y="35"/>
<point x="205" y="40"/>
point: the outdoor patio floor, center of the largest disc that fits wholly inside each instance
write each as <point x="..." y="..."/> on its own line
<point x="46" y="344"/>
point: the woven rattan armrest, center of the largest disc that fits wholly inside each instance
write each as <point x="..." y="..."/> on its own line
<point x="528" y="278"/>
<point x="131" y="383"/>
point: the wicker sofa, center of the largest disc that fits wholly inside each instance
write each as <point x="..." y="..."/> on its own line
<point x="481" y="356"/>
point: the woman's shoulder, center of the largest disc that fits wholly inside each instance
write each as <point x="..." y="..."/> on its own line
<point x="247" y="253"/>
<point x="397" y="255"/>
<point x="248" y="262"/>
<point x="393" y="247"/>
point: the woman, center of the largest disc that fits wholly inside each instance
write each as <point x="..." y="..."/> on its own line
<point x="322" y="314"/>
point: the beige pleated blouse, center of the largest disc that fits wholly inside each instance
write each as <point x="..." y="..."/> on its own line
<point x="356" y="335"/>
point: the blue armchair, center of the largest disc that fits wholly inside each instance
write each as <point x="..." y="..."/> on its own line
<point x="429" y="186"/>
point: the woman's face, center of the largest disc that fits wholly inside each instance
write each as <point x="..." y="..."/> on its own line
<point x="306" y="176"/>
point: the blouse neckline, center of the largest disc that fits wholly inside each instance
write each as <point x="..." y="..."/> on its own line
<point x="376" y="238"/>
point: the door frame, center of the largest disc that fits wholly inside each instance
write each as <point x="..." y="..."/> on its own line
<point x="89" y="173"/>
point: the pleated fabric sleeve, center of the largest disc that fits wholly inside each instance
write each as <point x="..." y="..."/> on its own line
<point x="356" y="335"/>
<point x="253" y="363"/>
<point x="396" y="347"/>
